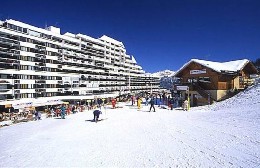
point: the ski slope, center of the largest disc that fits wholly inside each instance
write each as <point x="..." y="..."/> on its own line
<point x="225" y="134"/>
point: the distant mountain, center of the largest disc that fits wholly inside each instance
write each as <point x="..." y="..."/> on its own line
<point x="165" y="73"/>
<point x="166" y="78"/>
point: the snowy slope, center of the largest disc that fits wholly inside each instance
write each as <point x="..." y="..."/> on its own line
<point x="225" y="134"/>
<point x="246" y="99"/>
<point x="166" y="78"/>
<point x="165" y="73"/>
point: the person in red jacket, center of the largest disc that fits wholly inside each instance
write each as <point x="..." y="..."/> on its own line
<point x="113" y="101"/>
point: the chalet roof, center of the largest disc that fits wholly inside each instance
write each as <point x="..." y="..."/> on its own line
<point x="230" y="66"/>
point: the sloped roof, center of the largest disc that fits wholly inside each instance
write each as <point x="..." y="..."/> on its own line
<point x="218" y="66"/>
<point x="133" y="59"/>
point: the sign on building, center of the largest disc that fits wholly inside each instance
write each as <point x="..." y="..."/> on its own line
<point x="202" y="71"/>
<point x="182" y="88"/>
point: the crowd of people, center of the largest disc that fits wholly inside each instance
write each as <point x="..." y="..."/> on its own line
<point x="161" y="100"/>
<point x="64" y="110"/>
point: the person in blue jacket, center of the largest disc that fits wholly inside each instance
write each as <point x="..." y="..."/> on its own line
<point x="96" y="114"/>
<point x="63" y="111"/>
<point x="152" y="102"/>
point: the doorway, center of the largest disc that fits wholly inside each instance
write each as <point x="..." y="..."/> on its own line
<point x="195" y="98"/>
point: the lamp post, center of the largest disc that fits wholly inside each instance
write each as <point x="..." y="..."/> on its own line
<point x="71" y="86"/>
<point x="151" y="89"/>
<point x="13" y="84"/>
<point x="188" y="89"/>
<point x="129" y="83"/>
<point x="208" y="98"/>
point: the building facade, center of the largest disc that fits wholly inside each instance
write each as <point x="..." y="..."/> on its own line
<point x="37" y="62"/>
<point x="209" y="81"/>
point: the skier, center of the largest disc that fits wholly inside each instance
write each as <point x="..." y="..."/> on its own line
<point x="133" y="100"/>
<point x="171" y="103"/>
<point x="35" y="115"/>
<point x="39" y="116"/>
<point x="146" y="100"/>
<point x="185" y="105"/>
<point x="73" y="109"/>
<point x="152" y="102"/>
<point x="139" y="101"/>
<point x="100" y="102"/>
<point x="96" y="115"/>
<point x="63" y="109"/>
<point x="113" y="103"/>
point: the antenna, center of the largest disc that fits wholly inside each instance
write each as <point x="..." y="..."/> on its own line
<point x="46" y="25"/>
<point x="56" y="24"/>
<point x="3" y="17"/>
<point x="207" y="56"/>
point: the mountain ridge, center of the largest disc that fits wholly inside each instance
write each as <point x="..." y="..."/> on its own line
<point x="164" y="73"/>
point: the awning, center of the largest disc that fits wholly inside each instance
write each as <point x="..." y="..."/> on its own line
<point x="8" y="105"/>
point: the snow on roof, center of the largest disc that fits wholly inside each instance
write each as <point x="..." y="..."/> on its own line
<point x="109" y="39"/>
<point x="133" y="59"/>
<point x="24" y="25"/>
<point x="225" y="66"/>
<point x="88" y="38"/>
<point x="69" y="34"/>
<point x="51" y="30"/>
<point x="219" y="66"/>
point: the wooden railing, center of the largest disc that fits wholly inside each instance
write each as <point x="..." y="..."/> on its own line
<point x="203" y="92"/>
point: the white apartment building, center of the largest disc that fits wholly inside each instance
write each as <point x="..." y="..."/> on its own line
<point x="37" y="62"/>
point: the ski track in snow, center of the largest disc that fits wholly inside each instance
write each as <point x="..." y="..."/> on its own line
<point x="222" y="135"/>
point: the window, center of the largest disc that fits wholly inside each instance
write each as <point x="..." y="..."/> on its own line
<point x="204" y="79"/>
<point x="23" y="39"/>
<point x="16" y="28"/>
<point x="56" y="39"/>
<point x="45" y="36"/>
<point x="24" y="30"/>
<point x="34" y="33"/>
<point x="23" y="48"/>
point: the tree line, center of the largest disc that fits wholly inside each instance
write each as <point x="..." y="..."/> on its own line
<point x="257" y="64"/>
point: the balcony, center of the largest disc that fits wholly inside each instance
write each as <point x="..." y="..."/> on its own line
<point x="40" y="81"/>
<point x="4" y="90"/>
<point x="40" y="90"/>
<point x="8" y="41"/>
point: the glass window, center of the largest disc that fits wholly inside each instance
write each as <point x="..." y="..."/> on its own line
<point x="204" y="79"/>
<point x="34" y="33"/>
<point x="20" y="29"/>
<point x="24" y="30"/>
<point x="23" y="39"/>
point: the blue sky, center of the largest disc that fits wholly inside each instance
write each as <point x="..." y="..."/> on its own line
<point x="161" y="34"/>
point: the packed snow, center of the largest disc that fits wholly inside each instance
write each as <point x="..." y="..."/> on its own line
<point x="225" y="134"/>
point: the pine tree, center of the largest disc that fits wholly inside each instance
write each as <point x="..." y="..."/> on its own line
<point x="257" y="64"/>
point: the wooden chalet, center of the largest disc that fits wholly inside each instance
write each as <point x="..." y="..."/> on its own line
<point x="213" y="81"/>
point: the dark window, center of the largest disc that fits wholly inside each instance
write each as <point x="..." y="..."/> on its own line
<point x="24" y="30"/>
